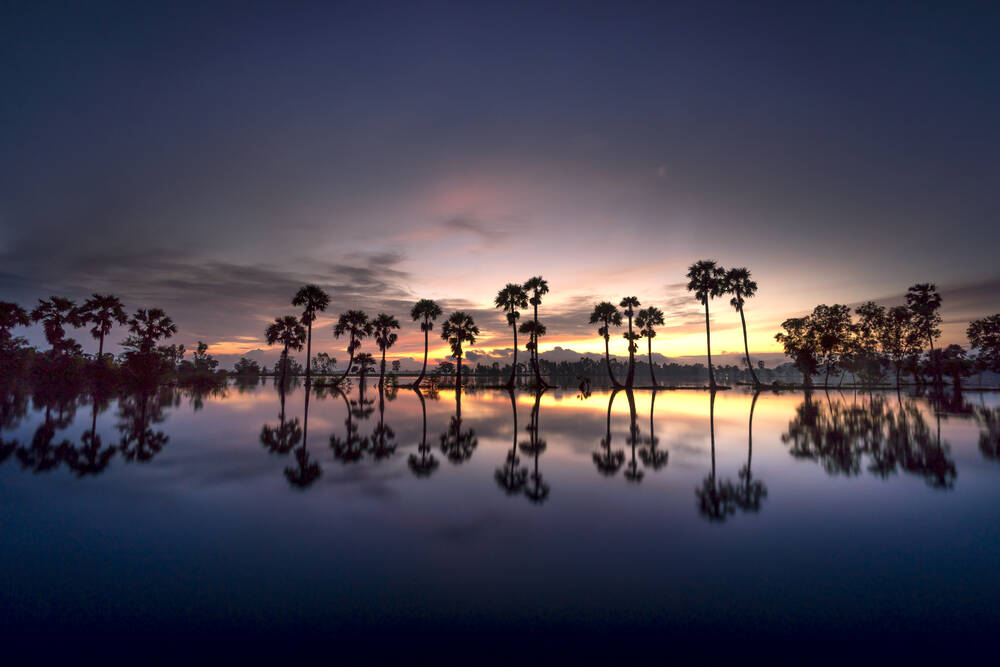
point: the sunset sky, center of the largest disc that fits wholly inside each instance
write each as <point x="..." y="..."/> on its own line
<point x="210" y="161"/>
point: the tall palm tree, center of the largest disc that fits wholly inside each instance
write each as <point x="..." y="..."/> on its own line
<point x="290" y="334"/>
<point x="55" y="314"/>
<point x="147" y="327"/>
<point x="426" y="311"/>
<point x="629" y="304"/>
<point x="511" y="298"/>
<point x="707" y="280"/>
<point x="538" y="287"/>
<point x="103" y="311"/>
<point x="313" y="300"/>
<point x="355" y="324"/>
<point x="607" y="314"/>
<point x="923" y="300"/>
<point x="385" y="338"/>
<point x="459" y="328"/>
<point x="647" y="320"/>
<point x="739" y="284"/>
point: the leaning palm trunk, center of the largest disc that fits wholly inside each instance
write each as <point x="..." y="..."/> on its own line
<point x="708" y="338"/>
<point x="746" y="348"/>
<point x="607" y="361"/>
<point x="309" y="342"/>
<point x="652" y="377"/>
<point x="629" y="380"/>
<point x="534" y="353"/>
<point x="423" y="369"/>
<point x="513" y="368"/>
<point x="350" y="361"/>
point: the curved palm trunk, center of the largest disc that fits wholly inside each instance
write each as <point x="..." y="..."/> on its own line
<point x="652" y="376"/>
<point x="309" y="342"/>
<point x="711" y="426"/>
<point x="534" y="353"/>
<point x="350" y="361"/>
<point x="513" y="409"/>
<point x="630" y="378"/>
<point x="513" y="368"/>
<point x="423" y="369"/>
<point x="381" y="373"/>
<point x="423" y="411"/>
<point x="746" y="346"/>
<point x="607" y="360"/>
<point x="708" y="337"/>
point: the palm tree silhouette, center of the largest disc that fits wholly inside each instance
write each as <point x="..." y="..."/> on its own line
<point x="355" y="324"/>
<point x="715" y="501"/>
<point x="924" y="301"/>
<point x="458" y="444"/>
<point x="313" y="300"/>
<point x="511" y="298"/>
<point x="511" y="477"/>
<point x="147" y="327"/>
<point x="629" y="304"/>
<point x="739" y="284"/>
<point x="537" y="491"/>
<point x="385" y="337"/>
<point x="459" y="328"/>
<point x="287" y="331"/>
<point x="103" y="311"/>
<point x="632" y="471"/>
<point x="425" y="464"/>
<point x="707" y="281"/>
<point x="92" y="457"/>
<point x="282" y="439"/>
<point x="607" y="461"/>
<point x="11" y="315"/>
<point x="56" y="314"/>
<point x="138" y="412"/>
<point x="751" y="492"/>
<point x="647" y="320"/>
<point x="426" y="311"/>
<point x="538" y="287"/>
<point x="650" y="455"/>
<point x="606" y="313"/>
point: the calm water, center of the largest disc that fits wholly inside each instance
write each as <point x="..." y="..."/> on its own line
<point x="849" y="524"/>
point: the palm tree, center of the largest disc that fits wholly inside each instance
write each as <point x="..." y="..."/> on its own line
<point x="287" y="331"/>
<point x="385" y="337"/>
<point x="147" y="327"/>
<point x="707" y="281"/>
<point x="538" y="286"/>
<point x="924" y="301"/>
<point x="606" y="313"/>
<point x="459" y="329"/>
<point x="647" y="320"/>
<point x="629" y="304"/>
<point x="11" y="315"/>
<point x="354" y="323"/>
<point x="511" y="298"/>
<point x="55" y="314"/>
<point x="739" y="284"/>
<point x="313" y="300"/>
<point x="426" y="311"/>
<point x="103" y="311"/>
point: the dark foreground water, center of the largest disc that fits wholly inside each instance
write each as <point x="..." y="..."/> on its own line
<point x="843" y="525"/>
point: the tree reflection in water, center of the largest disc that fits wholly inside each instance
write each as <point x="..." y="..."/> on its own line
<point x="383" y="438"/>
<point x="458" y="444"/>
<point x="511" y="476"/>
<point x="606" y="460"/>
<point x="283" y="438"/>
<point x="352" y="446"/>
<point x="537" y="489"/>
<point x="716" y="500"/>
<point x="750" y="492"/>
<point x="651" y="455"/>
<point x="632" y="471"/>
<point x="422" y="464"/>
<point x="306" y="470"/>
<point x="989" y="432"/>
<point x="138" y="413"/>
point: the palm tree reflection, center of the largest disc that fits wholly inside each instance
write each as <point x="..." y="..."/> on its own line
<point x="383" y="438"/>
<point x="283" y="438"/>
<point x="138" y="413"/>
<point x="306" y="470"/>
<point x="458" y="444"/>
<point x="511" y="476"/>
<point x="424" y="464"/>
<point x="750" y="492"/>
<point x="607" y="461"/>
<point x="716" y="500"/>
<point x="92" y="456"/>
<point x="989" y="432"/>
<point x="632" y="471"/>
<point x="537" y="490"/>
<point x="651" y="456"/>
<point x="352" y="447"/>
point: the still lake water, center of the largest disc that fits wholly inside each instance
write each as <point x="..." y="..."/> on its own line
<point x="868" y="524"/>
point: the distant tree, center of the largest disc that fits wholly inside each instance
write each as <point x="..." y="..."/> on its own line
<point x="247" y="368"/>
<point x="426" y="311"/>
<point x="203" y="361"/>
<point x="607" y="315"/>
<point x="512" y="298"/>
<point x="924" y="303"/>
<point x="953" y="362"/>
<point x="801" y="344"/>
<point x="287" y="332"/>
<point x="832" y="325"/>
<point x="355" y="324"/>
<point x="324" y="363"/>
<point x="313" y="300"/>
<point x="147" y="328"/>
<point x="56" y="314"/>
<point x="647" y="320"/>
<point x="984" y="339"/>
<point x="364" y="364"/>
<point x="629" y="304"/>
<point x="459" y="329"/>
<point x="11" y="315"/>
<point x="865" y="356"/>
<point x="901" y="341"/>
<point x="396" y="365"/>
<point x="742" y="287"/>
<point x="384" y="327"/>
<point x="707" y="280"/>
<point x="538" y="287"/>
<point x="103" y="311"/>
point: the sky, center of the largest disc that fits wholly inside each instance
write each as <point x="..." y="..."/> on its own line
<point x="209" y="159"/>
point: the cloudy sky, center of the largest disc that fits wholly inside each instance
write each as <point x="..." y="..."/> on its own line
<point x="211" y="160"/>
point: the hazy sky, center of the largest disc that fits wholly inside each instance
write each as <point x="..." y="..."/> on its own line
<point x="209" y="161"/>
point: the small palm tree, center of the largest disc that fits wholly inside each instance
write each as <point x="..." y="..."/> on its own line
<point x="103" y="311"/>
<point x="707" y="280"/>
<point x="11" y="315"/>
<point x="313" y="300"/>
<point x="55" y="314"/>
<point x="426" y="311"/>
<point x="147" y="327"/>
<point x="739" y="284"/>
<point x="538" y="287"/>
<point x="459" y="328"/>
<point x="383" y="326"/>
<point x="290" y="334"/>
<point x="511" y="298"/>
<point x="607" y="315"/>
<point x="647" y="320"/>
<point x="629" y="304"/>
<point x="355" y="324"/>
